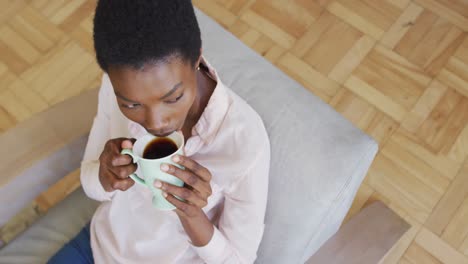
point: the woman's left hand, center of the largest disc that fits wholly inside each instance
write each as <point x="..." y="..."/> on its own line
<point x="197" y="187"/>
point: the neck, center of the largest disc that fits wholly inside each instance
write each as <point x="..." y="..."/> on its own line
<point x="205" y="87"/>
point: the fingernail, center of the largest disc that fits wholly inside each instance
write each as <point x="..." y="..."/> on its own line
<point x="164" y="194"/>
<point x="176" y="158"/>
<point x="164" y="167"/>
<point x="157" y="184"/>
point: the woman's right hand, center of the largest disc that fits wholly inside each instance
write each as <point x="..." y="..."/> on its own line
<point x="115" y="168"/>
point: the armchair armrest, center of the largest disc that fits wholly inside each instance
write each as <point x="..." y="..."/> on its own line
<point x="365" y="239"/>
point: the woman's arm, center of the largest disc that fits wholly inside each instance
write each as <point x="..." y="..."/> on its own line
<point x="241" y="223"/>
<point x="99" y="135"/>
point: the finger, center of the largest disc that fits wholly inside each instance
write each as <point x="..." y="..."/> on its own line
<point x="106" y="184"/>
<point x="122" y="185"/>
<point x="185" y="208"/>
<point x="188" y="177"/>
<point x="122" y="172"/>
<point x="184" y="193"/>
<point x="114" y="183"/>
<point x="193" y="166"/>
<point x="121" y="160"/>
<point x="188" y="187"/>
<point x="128" y="143"/>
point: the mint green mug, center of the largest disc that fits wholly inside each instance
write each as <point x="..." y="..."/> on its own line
<point x="151" y="168"/>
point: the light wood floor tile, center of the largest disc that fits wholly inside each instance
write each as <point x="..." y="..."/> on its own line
<point x="423" y="108"/>
<point x="263" y="45"/>
<point x="429" y="42"/>
<point x="293" y="18"/>
<point x="217" y="12"/>
<point x="376" y="98"/>
<point x="313" y="33"/>
<point x="416" y="254"/>
<point x="450" y="203"/>
<point x="352" y="59"/>
<point x="239" y="28"/>
<point x="441" y="163"/>
<point x="389" y="82"/>
<point x="10" y="9"/>
<point x="15" y="63"/>
<point x="455" y="73"/>
<point x="28" y="97"/>
<point x="51" y="75"/>
<point x="370" y="17"/>
<point x="459" y="150"/>
<point x="401" y="26"/>
<point x="35" y="28"/>
<point x="268" y="28"/>
<point x="84" y="80"/>
<point x="462" y="52"/>
<point x="455" y="11"/>
<point x="443" y="126"/>
<point x="6" y="77"/>
<point x="416" y="167"/>
<point x="84" y="39"/>
<point x="336" y="59"/>
<point x="3" y="69"/>
<point x="364" y="115"/>
<point x="457" y="229"/>
<point x="77" y="15"/>
<point x="405" y="190"/>
<point x="464" y="247"/>
<point x="13" y="107"/>
<point x="323" y="55"/>
<point x="250" y="37"/>
<point x="310" y="78"/>
<point x="18" y="44"/>
<point x="7" y="121"/>
<point x="438" y="248"/>
<point x="87" y="23"/>
<point x="237" y="7"/>
<point x="274" y="53"/>
<point x="72" y="13"/>
<point x="48" y="8"/>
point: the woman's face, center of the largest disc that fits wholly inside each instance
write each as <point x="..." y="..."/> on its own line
<point x="159" y="97"/>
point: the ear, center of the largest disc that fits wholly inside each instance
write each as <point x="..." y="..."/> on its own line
<point x="199" y="58"/>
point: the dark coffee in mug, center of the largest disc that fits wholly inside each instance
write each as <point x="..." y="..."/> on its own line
<point x="159" y="148"/>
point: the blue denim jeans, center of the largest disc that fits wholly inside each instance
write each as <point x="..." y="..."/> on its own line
<point x="77" y="251"/>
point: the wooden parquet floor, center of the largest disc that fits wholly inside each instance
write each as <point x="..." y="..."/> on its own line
<point x="398" y="69"/>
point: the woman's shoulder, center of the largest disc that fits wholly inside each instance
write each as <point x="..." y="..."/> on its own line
<point x="246" y="122"/>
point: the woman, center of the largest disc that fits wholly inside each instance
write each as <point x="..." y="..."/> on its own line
<point x="156" y="81"/>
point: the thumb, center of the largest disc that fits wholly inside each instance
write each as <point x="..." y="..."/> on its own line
<point x="128" y="143"/>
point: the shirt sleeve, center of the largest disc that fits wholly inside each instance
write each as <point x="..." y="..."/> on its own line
<point x="241" y="224"/>
<point x="98" y="136"/>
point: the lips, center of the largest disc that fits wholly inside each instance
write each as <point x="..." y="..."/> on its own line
<point x="162" y="134"/>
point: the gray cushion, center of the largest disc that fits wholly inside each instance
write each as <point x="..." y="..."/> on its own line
<point x="61" y="223"/>
<point x="318" y="160"/>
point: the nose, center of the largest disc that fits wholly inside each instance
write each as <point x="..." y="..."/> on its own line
<point x="157" y="123"/>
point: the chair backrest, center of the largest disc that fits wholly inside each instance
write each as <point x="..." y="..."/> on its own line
<point x="318" y="158"/>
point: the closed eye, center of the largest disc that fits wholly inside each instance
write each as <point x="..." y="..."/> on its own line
<point x="130" y="106"/>
<point x="175" y="100"/>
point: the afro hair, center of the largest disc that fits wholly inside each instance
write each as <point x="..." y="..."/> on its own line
<point x="134" y="33"/>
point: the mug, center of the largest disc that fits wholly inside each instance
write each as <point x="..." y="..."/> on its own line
<point x="151" y="168"/>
